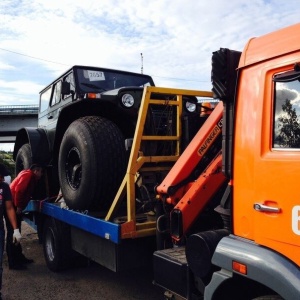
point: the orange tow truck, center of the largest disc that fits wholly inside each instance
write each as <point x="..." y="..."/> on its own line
<point x="228" y="223"/>
<point x="220" y="204"/>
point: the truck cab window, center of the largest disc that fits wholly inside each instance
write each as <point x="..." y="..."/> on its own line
<point x="70" y="78"/>
<point x="56" y="93"/>
<point x="286" y="128"/>
<point x="45" y="99"/>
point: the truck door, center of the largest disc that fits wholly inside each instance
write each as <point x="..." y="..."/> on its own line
<point x="266" y="157"/>
<point x="276" y="198"/>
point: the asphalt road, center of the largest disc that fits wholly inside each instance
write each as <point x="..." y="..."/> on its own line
<point x="88" y="282"/>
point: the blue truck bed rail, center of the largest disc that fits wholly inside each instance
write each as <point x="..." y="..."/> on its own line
<point x="96" y="226"/>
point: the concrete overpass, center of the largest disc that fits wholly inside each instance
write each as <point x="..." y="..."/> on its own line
<point x="14" y="117"/>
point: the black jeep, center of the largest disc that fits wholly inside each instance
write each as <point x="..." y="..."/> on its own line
<point x="86" y="124"/>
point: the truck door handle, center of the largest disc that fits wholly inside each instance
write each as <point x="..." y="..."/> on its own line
<point x="50" y="116"/>
<point x="265" y="208"/>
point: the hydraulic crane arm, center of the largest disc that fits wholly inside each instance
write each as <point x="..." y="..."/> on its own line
<point x="196" y="176"/>
<point x="196" y="197"/>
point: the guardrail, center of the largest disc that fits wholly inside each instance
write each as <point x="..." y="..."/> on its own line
<point x="19" y="109"/>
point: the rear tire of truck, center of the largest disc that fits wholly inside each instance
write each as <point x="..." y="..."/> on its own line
<point x="23" y="162"/>
<point x="23" y="158"/>
<point x="56" y="245"/>
<point x="92" y="163"/>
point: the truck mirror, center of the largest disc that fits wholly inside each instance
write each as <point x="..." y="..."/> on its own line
<point x="65" y="88"/>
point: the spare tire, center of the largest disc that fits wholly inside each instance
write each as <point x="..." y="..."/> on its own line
<point x="92" y="163"/>
<point x="23" y="162"/>
<point x="23" y="158"/>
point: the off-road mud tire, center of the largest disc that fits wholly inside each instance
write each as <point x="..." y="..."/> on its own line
<point x="23" y="158"/>
<point x="92" y="163"/>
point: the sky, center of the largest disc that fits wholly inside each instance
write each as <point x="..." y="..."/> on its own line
<point x="170" y="40"/>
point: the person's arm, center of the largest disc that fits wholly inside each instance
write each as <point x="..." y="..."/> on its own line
<point x="10" y="211"/>
<point x="11" y="214"/>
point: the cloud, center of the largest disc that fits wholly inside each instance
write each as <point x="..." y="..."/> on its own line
<point x="19" y="92"/>
<point x="287" y="91"/>
<point x="176" y="38"/>
<point x="4" y="66"/>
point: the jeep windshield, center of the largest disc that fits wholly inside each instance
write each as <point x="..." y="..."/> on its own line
<point x="100" y="80"/>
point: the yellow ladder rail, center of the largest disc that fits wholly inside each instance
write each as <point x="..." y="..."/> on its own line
<point x="137" y="158"/>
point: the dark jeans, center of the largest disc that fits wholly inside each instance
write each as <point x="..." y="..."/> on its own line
<point x="14" y="252"/>
<point x="2" y="234"/>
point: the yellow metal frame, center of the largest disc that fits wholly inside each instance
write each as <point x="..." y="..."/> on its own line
<point x="131" y="227"/>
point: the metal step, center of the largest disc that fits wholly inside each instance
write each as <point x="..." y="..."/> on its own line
<point x="171" y="271"/>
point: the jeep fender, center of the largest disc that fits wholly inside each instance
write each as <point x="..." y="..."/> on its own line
<point x="37" y="139"/>
<point x="263" y="265"/>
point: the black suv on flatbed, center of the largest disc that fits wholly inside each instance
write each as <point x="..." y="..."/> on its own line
<point x="86" y="123"/>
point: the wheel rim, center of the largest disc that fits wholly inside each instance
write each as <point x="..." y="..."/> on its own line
<point x="50" y="245"/>
<point x="73" y="168"/>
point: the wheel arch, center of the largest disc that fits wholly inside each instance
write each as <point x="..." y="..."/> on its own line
<point x="84" y="108"/>
<point x="38" y="141"/>
<point x="235" y="287"/>
<point x="265" y="267"/>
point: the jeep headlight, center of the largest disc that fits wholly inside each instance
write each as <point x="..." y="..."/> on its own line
<point x="190" y="106"/>
<point x="127" y="100"/>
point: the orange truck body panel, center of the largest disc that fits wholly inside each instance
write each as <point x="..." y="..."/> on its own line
<point x="271" y="45"/>
<point x="262" y="174"/>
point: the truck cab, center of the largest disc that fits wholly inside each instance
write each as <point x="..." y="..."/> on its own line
<point x="265" y="163"/>
<point x="253" y="252"/>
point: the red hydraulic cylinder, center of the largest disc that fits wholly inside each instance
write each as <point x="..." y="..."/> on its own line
<point x="196" y="197"/>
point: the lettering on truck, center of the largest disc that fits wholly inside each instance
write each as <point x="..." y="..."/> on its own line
<point x="210" y="138"/>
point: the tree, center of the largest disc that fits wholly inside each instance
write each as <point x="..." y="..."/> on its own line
<point x="289" y="135"/>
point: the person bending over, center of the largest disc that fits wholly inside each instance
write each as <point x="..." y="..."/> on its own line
<point x="22" y="188"/>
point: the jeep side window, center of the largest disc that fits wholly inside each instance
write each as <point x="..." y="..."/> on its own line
<point x="70" y="78"/>
<point x="286" y="128"/>
<point x="56" y="93"/>
<point x="45" y="99"/>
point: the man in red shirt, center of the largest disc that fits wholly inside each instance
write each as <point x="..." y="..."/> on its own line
<point x="22" y="189"/>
